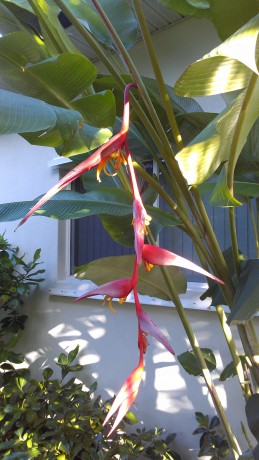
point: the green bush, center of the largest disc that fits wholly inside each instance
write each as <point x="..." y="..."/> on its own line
<point x="52" y="419"/>
<point x="55" y="418"/>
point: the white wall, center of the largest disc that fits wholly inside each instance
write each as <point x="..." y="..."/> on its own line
<point x="168" y="397"/>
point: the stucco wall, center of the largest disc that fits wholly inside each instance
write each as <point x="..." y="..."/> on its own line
<point x="168" y="397"/>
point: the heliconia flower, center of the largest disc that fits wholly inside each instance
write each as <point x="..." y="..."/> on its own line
<point x="112" y="149"/>
<point x="129" y="390"/>
<point x="140" y="217"/>
<point x="148" y="326"/>
<point x="153" y="255"/>
<point x="140" y="221"/>
<point x="118" y="289"/>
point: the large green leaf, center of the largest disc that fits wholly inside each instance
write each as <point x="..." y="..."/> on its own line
<point x="198" y="8"/>
<point x="149" y="283"/>
<point x="118" y="12"/>
<point x="223" y="139"/>
<point x="20" y="114"/>
<point x="226" y="68"/>
<point x="246" y="301"/>
<point x="68" y="204"/>
<point x="189" y="114"/>
<point x="221" y="195"/>
<point x="240" y="12"/>
<point x="52" y="31"/>
<point x="86" y="139"/>
<point x="53" y="80"/>
<point x="68" y="123"/>
<point x="98" y="109"/>
<point x="69" y="136"/>
<point x="73" y="205"/>
<point x="9" y="21"/>
<point x="245" y="189"/>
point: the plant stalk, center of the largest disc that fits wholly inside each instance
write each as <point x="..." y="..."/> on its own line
<point x="202" y="363"/>
<point x="158" y="74"/>
<point x="233" y="351"/>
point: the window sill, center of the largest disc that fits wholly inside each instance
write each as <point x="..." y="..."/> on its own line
<point x="72" y="287"/>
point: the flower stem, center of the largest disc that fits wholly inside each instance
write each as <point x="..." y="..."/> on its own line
<point x="202" y="363"/>
<point x="233" y="351"/>
<point x="158" y="74"/>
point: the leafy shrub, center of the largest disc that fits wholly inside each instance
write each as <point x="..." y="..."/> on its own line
<point x="52" y="419"/>
<point x="16" y="279"/>
<point x="212" y="441"/>
<point x="55" y="418"/>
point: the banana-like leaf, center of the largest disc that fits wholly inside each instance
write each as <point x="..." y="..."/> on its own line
<point x="9" y="21"/>
<point x="52" y="31"/>
<point x="226" y="68"/>
<point x="68" y="123"/>
<point x="98" y="109"/>
<point x="85" y="140"/>
<point x="223" y="139"/>
<point x="246" y="301"/>
<point x="26" y="5"/>
<point x="68" y="204"/>
<point x="149" y="283"/>
<point x="245" y="189"/>
<point x="221" y="195"/>
<point x="25" y="69"/>
<point x="55" y="80"/>
<point x="20" y="114"/>
<point x="119" y="228"/>
<point x="118" y="12"/>
<point x="197" y="8"/>
<point x="69" y="136"/>
<point x="240" y="12"/>
<point x="189" y="114"/>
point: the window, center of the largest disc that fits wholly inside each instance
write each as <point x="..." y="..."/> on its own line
<point x="89" y="240"/>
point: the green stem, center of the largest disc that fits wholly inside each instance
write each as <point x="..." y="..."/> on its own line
<point x="255" y="228"/>
<point x="245" y="433"/>
<point x="158" y="74"/>
<point x="179" y="185"/>
<point x="234" y="242"/>
<point x="112" y="70"/>
<point x="211" y="240"/>
<point x="250" y="94"/>
<point x="233" y="351"/>
<point x="190" y="229"/>
<point x="202" y="363"/>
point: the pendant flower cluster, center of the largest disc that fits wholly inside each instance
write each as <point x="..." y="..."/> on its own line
<point x="117" y="149"/>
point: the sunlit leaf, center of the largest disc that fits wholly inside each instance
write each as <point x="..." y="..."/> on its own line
<point x="221" y="195"/>
<point x="223" y="139"/>
<point x="226" y="68"/>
